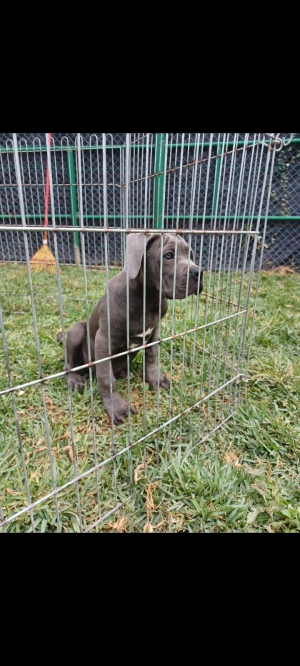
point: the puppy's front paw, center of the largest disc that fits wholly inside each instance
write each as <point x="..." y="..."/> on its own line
<point x="164" y="382"/>
<point x="156" y="379"/>
<point x="76" y="382"/>
<point x="118" y="409"/>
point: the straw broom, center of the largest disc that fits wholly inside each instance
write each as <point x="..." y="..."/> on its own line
<point x="44" y="260"/>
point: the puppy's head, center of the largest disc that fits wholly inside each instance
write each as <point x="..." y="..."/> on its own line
<point x="169" y="260"/>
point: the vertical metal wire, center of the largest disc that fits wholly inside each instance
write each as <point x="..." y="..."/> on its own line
<point x="28" y="190"/>
<point x="235" y="390"/>
<point x="67" y="247"/>
<point x="153" y="211"/>
<point x="65" y="211"/>
<point x="187" y="310"/>
<point x="129" y="209"/>
<point x="239" y="278"/>
<point x="3" y="528"/>
<point x="230" y="292"/>
<point x="229" y="246"/>
<point x="3" y="234"/>
<point x="143" y="156"/>
<point x="88" y="182"/>
<point x="133" y="187"/>
<point x="246" y="223"/>
<point x="100" y="242"/>
<point x="268" y="167"/>
<point x="160" y="280"/>
<point x="214" y="268"/>
<point x="86" y="299"/>
<point x="22" y="152"/>
<point x="208" y="275"/>
<point x="176" y="184"/>
<point x="13" y="202"/>
<point x="225" y="306"/>
<point x="108" y="308"/>
<point x="168" y="179"/>
<point x="234" y="354"/>
<point x="173" y="300"/>
<point x="114" y="192"/>
<point x="146" y="185"/>
<point x="33" y="309"/>
<point x="199" y="260"/>
<point x="61" y="308"/>
<point x="39" y="180"/>
<point x="232" y="259"/>
<point x="219" y="282"/>
<point x="95" y="236"/>
<point x="16" y="418"/>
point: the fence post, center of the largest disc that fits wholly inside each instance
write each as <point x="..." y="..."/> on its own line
<point x="160" y="156"/>
<point x="73" y="187"/>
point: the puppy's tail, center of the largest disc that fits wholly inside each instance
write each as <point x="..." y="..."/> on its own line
<point x="59" y="338"/>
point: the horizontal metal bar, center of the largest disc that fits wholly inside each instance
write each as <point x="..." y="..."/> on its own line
<point x="271" y="218"/>
<point x="206" y="144"/>
<point x="102" y="269"/>
<point x="55" y="492"/>
<point x="64" y="185"/>
<point x="65" y="264"/>
<point x="118" y="230"/>
<point x="125" y="353"/>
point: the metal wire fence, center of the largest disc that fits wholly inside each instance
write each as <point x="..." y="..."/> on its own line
<point x="282" y="245"/>
<point x="199" y="201"/>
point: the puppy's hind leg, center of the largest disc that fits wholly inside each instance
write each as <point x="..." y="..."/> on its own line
<point x="76" y="354"/>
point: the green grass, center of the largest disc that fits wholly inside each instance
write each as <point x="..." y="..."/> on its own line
<point x="244" y="477"/>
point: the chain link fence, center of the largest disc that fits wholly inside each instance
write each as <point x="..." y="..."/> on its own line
<point x="282" y="244"/>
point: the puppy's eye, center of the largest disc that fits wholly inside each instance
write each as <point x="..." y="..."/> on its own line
<point x="169" y="255"/>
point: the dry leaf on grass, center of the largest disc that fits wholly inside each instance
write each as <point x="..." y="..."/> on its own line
<point x="120" y="525"/>
<point x="49" y="402"/>
<point x="232" y="459"/>
<point x="34" y="476"/>
<point x="61" y="437"/>
<point x="148" y="529"/>
<point x="139" y="472"/>
<point x="69" y="451"/>
<point x="150" y="506"/>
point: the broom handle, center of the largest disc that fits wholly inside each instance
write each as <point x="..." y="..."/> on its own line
<point x="46" y="222"/>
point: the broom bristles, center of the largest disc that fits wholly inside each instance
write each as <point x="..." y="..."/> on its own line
<point x="43" y="260"/>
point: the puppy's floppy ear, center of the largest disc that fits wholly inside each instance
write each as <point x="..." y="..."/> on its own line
<point x="136" y="248"/>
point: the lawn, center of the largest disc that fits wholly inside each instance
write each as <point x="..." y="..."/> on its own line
<point x="243" y="477"/>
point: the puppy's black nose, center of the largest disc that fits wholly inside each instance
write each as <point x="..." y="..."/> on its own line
<point x="195" y="273"/>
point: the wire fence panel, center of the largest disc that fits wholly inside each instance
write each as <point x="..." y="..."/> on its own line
<point x="161" y="363"/>
<point x="283" y="233"/>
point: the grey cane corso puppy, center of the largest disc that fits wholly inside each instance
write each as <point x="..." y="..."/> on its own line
<point x="188" y="281"/>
